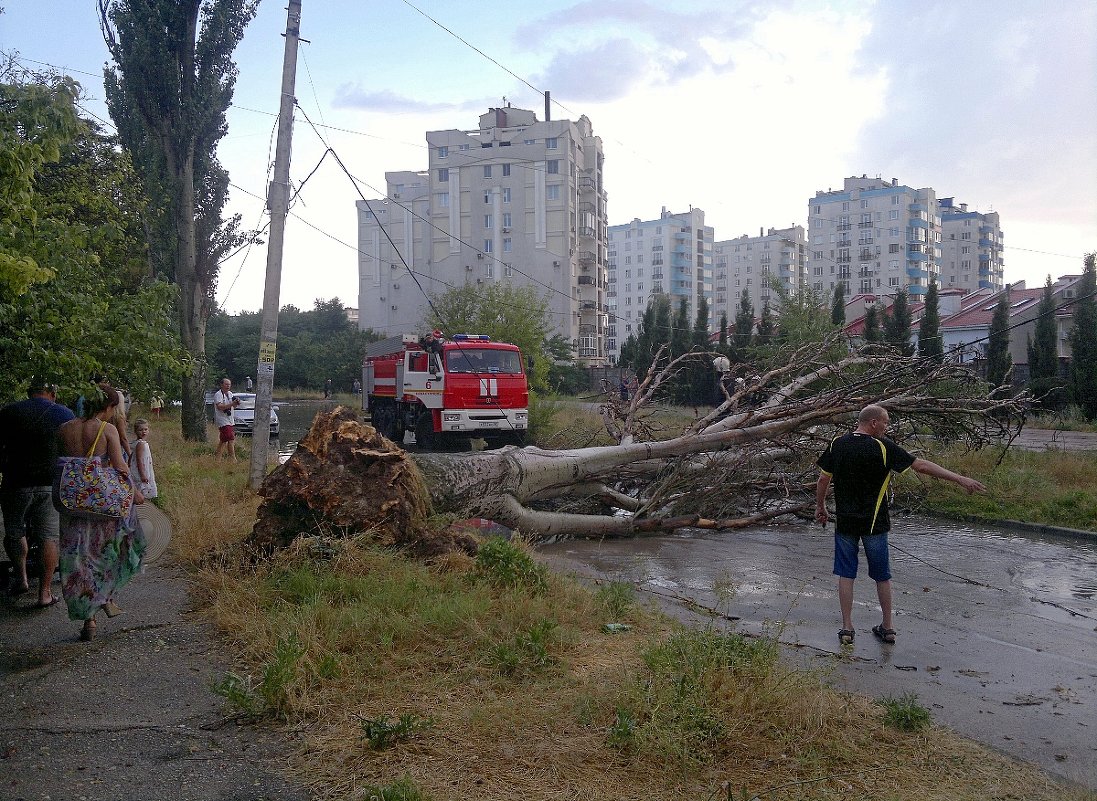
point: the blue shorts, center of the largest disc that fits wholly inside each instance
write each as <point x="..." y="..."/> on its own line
<point x="876" y="553"/>
<point x="29" y="510"/>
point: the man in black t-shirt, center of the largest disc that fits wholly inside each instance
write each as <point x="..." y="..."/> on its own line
<point x="860" y="465"/>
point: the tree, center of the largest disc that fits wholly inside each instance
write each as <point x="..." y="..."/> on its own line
<point x="744" y="321"/>
<point x="1083" y="342"/>
<point x="168" y="93"/>
<point x="872" y="333"/>
<point x="930" y="344"/>
<point x="896" y="324"/>
<point x="999" y="362"/>
<point x="838" y="305"/>
<point x="766" y="325"/>
<point x="504" y="312"/>
<point x="723" y="346"/>
<point x="653" y="333"/>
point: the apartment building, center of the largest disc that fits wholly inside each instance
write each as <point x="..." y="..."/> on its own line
<point x="875" y="236"/>
<point x="971" y="247"/>
<point x="751" y="263"/>
<point x="516" y="200"/>
<point x="671" y="254"/>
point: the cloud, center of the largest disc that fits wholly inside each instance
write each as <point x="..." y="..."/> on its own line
<point x="598" y="74"/>
<point x="352" y="95"/>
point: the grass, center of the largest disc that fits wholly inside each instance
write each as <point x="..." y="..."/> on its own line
<point x="492" y="678"/>
<point x="1056" y="488"/>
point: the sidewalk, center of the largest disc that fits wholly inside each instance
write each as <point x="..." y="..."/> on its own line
<point x="129" y="715"/>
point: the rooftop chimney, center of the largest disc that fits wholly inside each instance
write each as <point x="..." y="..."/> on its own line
<point x="548" y="106"/>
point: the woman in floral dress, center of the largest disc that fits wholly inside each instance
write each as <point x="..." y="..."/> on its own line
<point x="98" y="557"/>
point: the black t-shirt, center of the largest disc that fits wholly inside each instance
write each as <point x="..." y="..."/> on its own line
<point x="860" y="467"/>
<point x="28" y="441"/>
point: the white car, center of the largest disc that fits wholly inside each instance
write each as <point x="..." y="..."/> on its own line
<point x="243" y="416"/>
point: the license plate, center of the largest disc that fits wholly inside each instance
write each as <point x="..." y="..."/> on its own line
<point x="489" y="424"/>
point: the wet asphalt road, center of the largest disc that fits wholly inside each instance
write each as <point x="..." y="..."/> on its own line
<point x="1003" y="650"/>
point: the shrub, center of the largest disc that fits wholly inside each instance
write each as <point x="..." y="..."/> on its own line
<point x="507" y="565"/>
<point x="383" y="732"/>
<point x="905" y="713"/>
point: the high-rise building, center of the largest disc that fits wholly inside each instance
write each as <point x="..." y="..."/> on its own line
<point x="875" y="236"/>
<point x="971" y="247"/>
<point x="671" y="254"/>
<point x="751" y="262"/>
<point x="517" y="200"/>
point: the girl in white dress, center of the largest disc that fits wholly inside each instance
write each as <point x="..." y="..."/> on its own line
<point x="141" y="461"/>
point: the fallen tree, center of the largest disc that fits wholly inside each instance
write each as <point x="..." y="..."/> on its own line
<point x="747" y="460"/>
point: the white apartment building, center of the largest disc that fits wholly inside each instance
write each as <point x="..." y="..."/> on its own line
<point x="971" y="247"/>
<point x="671" y="254"/>
<point x="516" y="200"/>
<point x="751" y="262"/>
<point x="875" y="236"/>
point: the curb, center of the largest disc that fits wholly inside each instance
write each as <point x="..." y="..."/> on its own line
<point x="1021" y="525"/>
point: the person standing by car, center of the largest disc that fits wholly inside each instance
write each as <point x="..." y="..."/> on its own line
<point x="224" y="402"/>
<point x="28" y="452"/>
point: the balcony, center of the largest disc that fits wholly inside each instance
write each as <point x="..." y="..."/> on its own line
<point x="986" y="243"/>
<point x="844" y="226"/>
<point x="864" y="224"/>
<point x="866" y="255"/>
<point x="587" y="231"/>
<point x="586" y="257"/>
<point x="586" y="183"/>
<point x="845" y="243"/>
<point x="588" y="305"/>
<point x="586" y="280"/>
<point x="843" y="260"/>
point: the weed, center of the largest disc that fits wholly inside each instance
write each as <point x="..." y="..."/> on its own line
<point x="623" y="730"/>
<point x="240" y="694"/>
<point x="905" y="713"/>
<point x="617" y="598"/>
<point x="402" y="790"/>
<point x="527" y="651"/>
<point x="279" y="674"/>
<point x="383" y="732"/>
<point x="506" y="564"/>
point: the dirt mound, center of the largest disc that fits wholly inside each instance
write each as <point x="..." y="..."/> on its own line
<point x="345" y="479"/>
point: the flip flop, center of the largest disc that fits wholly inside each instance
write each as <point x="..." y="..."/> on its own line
<point x="845" y="636"/>
<point x="111" y="609"/>
<point x="884" y="635"/>
<point x="53" y="600"/>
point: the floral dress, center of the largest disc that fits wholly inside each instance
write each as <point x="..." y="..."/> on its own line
<point x="97" y="558"/>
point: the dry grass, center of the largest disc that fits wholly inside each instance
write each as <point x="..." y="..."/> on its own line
<point x="335" y="633"/>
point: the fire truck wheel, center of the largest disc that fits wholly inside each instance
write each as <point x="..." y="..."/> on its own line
<point x="458" y="444"/>
<point x="424" y="431"/>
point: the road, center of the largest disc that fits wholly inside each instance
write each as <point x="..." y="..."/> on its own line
<point x="997" y="630"/>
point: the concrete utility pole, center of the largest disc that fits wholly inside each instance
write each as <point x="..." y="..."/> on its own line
<point x="278" y="204"/>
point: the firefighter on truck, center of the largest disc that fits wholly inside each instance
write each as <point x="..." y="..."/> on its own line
<point x="446" y="390"/>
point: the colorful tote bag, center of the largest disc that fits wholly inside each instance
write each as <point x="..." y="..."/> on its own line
<point x="87" y="487"/>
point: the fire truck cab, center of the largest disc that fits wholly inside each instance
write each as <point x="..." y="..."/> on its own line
<point x="446" y="391"/>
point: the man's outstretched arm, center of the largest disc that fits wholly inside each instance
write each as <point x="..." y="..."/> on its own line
<point x="928" y="468"/>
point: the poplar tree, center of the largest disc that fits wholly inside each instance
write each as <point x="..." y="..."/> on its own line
<point x="744" y="321"/>
<point x="838" y="305"/>
<point x="897" y="324"/>
<point x="1083" y="343"/>
<point x="998" y="359"/>
<point x="930" y="345"/>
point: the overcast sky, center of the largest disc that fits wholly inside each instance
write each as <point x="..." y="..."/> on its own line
<point x="745" y="110"/>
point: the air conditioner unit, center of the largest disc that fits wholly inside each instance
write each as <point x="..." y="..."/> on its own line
<point x="395" y="286"/>
<point x="479" y="280"/>
<point x="506" y="230"/>
<point x="556" y="264"/>
<point x="394" y="308"/>
<point x="480" y="256"/>
<point x="395" y="195"/>
<point x="392" y="266"/>
<point x="468" y="267"/>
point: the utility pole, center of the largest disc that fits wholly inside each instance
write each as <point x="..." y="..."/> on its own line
<point x="278" y="204"/>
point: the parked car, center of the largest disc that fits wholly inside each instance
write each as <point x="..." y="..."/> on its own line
<point x="244" y="415"/>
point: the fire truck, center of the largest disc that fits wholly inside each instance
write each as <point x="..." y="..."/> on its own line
<point x="447" y="391"/>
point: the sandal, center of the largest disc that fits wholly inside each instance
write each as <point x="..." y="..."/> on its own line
<point x="845" y="636"/>
<point x="884" y="635"/>
<point x="111" y="609"/>
<point x="88" y="632"/>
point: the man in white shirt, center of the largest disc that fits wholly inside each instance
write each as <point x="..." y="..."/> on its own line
<point x="223" y="404"/>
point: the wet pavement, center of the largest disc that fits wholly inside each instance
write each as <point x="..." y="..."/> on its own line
<point x="997" y="631"/>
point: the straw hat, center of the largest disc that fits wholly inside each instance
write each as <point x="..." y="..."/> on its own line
<point x="157" y="529"/>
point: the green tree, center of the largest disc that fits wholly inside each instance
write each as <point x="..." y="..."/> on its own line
<point x="766" y="325"/>
<point x="744" y="321"/>
<point x="1043" y="353"/>
<point x="998" y="359"/>
<point x="896" y="324"/>
<point x="1083" y="342"/>
<point x="172" y="81"/>
<point x="838" y="305"/>
<point x="653" y="333"/>
<point x="507" y="313"/>
<point x="872" y="334"/>
<point x="681" y="332"/>
<point x="930" y="344"/>
<point x="723" y="345"/>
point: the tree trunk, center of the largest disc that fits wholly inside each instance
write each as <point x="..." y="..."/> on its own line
<point x="192" y="307"/>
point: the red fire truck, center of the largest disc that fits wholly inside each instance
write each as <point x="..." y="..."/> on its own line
<point x="463" y="387"/>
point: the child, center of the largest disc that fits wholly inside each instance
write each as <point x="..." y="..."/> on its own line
<point x="141" y="461"/>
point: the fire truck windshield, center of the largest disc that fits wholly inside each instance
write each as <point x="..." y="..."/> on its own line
<point x="483" y="360"/>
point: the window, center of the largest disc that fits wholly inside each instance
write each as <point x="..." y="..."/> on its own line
<point x="640" y="258"/>
<point x="443" y="152"/>
<point x="552" y="192"/>
<point x="893" y="281"/>
<point x="442" y="199"/>
<point x="487" y="197"/>
<point x="506" y="170"/>
<point x="893" y="214"/>
<point x="895" y="200"/>
<point x="553" y="167"/>
<point x="506" y="219"/>
<point x="551" y="143"/>
<point x="506" y="194"/>
<point x="864" y="204"/>
<point x="489" y="220"/>
<point x="487" y="246"/>
<point x="507" y="244"/>
<point x="443" y="175"/>
<point x="487" y="170"/>
<point x="845" y="207"/>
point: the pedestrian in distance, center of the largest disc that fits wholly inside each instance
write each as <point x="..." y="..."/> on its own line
<point x="327" y="389"/>
<point x="224" y="402"/>
<point x="141" y="468"/>
<point x="859" y="465"/>
<point x="248" y="384"/>
<point x="156" y="403"/>
<point x="28" y="453"/>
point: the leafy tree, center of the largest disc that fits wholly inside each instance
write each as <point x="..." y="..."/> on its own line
<point x="1083" y="342"/>
<point x="680" y="333"/>
<point x="998" y="359"/>
<point x="507" y="313"/>
<point x="766" y="325"/>
<point x="168" y="92"/>
<point x="930" y="344"/>
<point x="838" y="305"/>
<point x="872" y="333"/>
<point x="744" y="321"/>
<point x="896" y="324"/>
<point x="1043" y="354"/>
<point x="653" y="333"/>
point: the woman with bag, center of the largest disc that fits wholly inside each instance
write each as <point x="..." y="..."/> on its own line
<point x="101" y="540"/>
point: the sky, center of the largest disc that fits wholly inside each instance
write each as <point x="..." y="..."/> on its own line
<point x="742" y="109"/>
